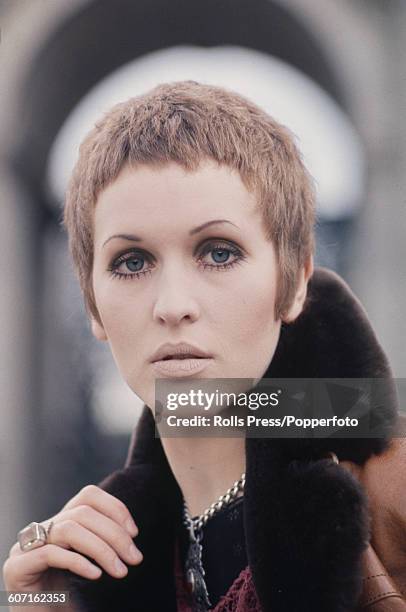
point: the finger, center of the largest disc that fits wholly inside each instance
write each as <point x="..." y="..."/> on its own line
<point x="15" y="549"/>
<point x="69" y="534"/>
<point x="108" y="530"/>
<point x="107" y="504"/>
<point x="35" y="562"/>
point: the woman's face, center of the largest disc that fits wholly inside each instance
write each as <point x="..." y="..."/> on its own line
<point x="179" y="274"/>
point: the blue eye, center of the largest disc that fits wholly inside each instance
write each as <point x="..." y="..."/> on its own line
<point x="222" y="254"/>
<point x="132" y="263"/>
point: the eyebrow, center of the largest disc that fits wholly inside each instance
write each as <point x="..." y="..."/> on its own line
<point x="195" y="230"/>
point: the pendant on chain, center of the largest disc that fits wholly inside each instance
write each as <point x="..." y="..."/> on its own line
<point x="195" y="577"/>
<point x="194" y="567"/>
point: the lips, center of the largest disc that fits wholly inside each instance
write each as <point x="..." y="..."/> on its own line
<point x="191" y="356"/>
<point x="179" y="368"/>
<point x="182" y="350"/>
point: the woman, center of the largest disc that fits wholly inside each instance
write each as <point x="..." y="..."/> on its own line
<point x="190" y="218"/>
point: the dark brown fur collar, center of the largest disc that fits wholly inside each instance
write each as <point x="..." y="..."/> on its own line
<point x="306" y="518"/>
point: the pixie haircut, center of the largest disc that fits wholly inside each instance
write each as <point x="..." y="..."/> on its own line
<point x="187" y="123"/>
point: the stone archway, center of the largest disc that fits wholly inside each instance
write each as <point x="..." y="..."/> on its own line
<point x="75" y="53"/>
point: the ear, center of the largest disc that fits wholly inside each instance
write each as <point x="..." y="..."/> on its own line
<point x="97" y="329"/>
<point x="301" y="292"/>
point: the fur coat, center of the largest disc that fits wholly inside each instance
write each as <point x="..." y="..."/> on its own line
<point x="308" y="521"/>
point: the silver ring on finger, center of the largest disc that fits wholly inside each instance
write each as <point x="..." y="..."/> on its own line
<point x="33" y="536"/>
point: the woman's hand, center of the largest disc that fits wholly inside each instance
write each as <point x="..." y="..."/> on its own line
<point x="93" y="523"/>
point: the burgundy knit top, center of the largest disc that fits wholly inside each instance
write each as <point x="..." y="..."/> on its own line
<point x="240" y="597"/>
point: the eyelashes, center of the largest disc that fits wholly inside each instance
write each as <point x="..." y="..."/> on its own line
<point x="136" y="258"/>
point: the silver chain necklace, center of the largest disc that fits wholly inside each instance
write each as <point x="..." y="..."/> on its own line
<point x="193" y="567"/>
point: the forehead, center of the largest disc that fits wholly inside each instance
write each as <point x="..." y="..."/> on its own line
<point x="170" y="195"/>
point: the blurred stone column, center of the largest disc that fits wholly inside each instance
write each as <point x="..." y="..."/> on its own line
<point x="380" y="254"/>
<point x="366" y="43"/>
<point x="17" y="384"/>
<point x="24" y="24"/>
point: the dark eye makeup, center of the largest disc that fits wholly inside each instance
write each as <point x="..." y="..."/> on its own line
<point x="133" y="260"/>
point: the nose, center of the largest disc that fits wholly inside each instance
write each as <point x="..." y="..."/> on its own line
<point x="176" y="301"/>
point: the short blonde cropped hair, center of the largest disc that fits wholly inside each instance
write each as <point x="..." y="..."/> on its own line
<point x="188" y="122"/>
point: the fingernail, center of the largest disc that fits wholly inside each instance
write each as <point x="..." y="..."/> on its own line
<point x="131" y="527"/>
<point x="95" y="571"/>
<point x="134" y="553"/>
<point x="120" y="567"/>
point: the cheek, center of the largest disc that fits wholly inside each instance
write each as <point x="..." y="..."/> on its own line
<point x="124" y="327"/>
<point x="255" y="306"/>
<point x="252" y="329"/>
<point x="115" y="313"/>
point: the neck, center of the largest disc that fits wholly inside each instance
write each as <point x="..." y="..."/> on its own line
<point x="204" y="467"/>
